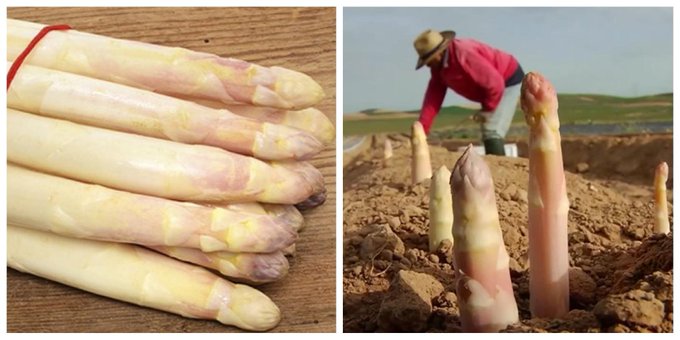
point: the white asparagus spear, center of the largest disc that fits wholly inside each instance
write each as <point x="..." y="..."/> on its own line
<point x="140" y="276"/>
<point x="310" y="120"/>
<point x="548" y="201"/>
<point x="661" y="223"/>
<point x="485" y="296"/>
<point x="421" y="168"/>
<point x="252" y="268"/>
<point x="441" y="209"/>
<point x="387" y="151"/>
<point x="67" y="207"/>
<point x="162" y="69"/>
<point x="153" y="166"/>
<point x="118" y="107"/>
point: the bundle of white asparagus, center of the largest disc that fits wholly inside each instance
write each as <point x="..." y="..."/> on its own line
<point x="123" y="181"/>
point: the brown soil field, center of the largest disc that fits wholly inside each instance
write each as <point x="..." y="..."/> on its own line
<point x="386" y="115"/>
<point x="621" y="275"/>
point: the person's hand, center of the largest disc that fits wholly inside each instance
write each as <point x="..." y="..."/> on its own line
<point x="481" y="116"/>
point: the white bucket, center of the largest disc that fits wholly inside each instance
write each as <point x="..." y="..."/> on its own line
<point x="510" y="149"/>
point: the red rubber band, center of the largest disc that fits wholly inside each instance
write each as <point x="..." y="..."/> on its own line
<point x="20" y="59"/>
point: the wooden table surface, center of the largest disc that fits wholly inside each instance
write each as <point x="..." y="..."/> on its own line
<point x="301" y="39"/>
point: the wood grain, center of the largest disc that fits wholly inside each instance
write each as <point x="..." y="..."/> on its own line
<point x="301" y="39"/>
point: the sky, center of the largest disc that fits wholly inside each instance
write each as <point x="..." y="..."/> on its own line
<point x="624" y="52"/>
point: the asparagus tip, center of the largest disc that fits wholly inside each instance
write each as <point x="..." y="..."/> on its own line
<point x="538" y="98"/>
<point x="250" y="309"/>
<point x="470" y="165"/>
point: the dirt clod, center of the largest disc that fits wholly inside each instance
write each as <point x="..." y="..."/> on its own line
<point x="581" y="288"/>
<point x="408" y="304"/>
<point x="635" y="307"/>
<point x="381" y="239"/>
<point x="582" y="167"/>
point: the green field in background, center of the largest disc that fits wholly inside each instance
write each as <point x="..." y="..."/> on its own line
<point x="574" y="109"/>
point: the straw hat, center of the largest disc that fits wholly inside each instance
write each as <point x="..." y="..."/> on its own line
<point x="429" y="43"/>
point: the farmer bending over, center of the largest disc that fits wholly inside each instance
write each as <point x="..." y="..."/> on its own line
<point x="475" y="71"/>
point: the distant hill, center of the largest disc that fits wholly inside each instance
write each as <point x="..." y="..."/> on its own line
<point x="574" y="109"/>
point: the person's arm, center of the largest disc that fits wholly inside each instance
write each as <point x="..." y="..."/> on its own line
<point x="434" y="97"/>
<point x="487" y="77"/>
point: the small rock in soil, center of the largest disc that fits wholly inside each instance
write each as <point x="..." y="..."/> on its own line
<point x="635" y="307"/>
<point x="515" y="267"/>
<point x="386" y="255"/>
<point x="619" y="328"/>
<point x="355" y="240"/>
<point x="582" y="167"/>
<point x="520" y="196"/>
<point x="412" y="255"/>
<point x="448" y="299"/>
<point x="582" y="288"/>
<point x="512" y="236"/>
<point x="394" y="222"/>
<point x="508" y="192"/>
<point x="371" y="228"/>
<point x="408" y="303"/>
<point x="382" y="239"/>
<point x="405" y="262"/>
<point x="638" y="234"/>
<point x="661" y="284"/>
<point x="381" y="265"/>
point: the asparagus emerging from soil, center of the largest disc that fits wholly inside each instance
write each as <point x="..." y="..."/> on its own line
<point x="140" y="276"/>
<point x="254" y="268"/>
<point x="548" y="203"/>
<point x="167" y="70"/>
<point x="75" y="209"/>
<point x="113" y="106"/>
<point x="421" y="168"/>
<point x="661" y="223"/>
<point x="387" y="152"/>
<point x="153" y="166"/>
<point x="484" y="289"/>
<point x="441" y="209"/>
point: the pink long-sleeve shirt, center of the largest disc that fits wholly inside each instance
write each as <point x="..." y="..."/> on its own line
<point x="472" y="69"/>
